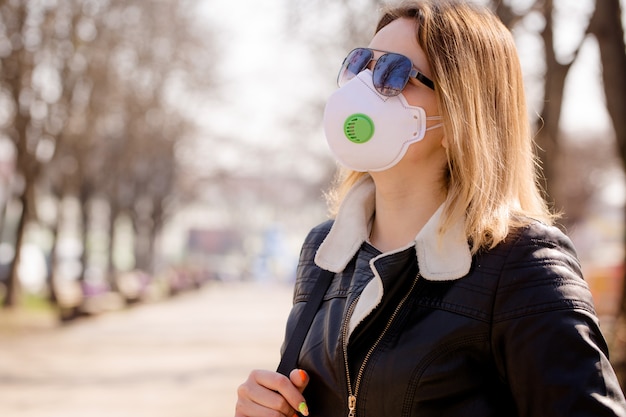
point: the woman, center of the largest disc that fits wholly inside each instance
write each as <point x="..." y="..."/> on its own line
<point x="452" y="294"/>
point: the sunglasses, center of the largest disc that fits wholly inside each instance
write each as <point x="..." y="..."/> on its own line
<point x="390" y="74"/>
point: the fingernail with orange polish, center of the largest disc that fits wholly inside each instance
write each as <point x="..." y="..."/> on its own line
<point x="302" y="375"/>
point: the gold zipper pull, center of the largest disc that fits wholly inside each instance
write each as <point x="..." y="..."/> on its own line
<point x="351" y="406"/>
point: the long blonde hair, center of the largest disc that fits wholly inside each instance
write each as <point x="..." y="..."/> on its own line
<point x="492" y="177"/>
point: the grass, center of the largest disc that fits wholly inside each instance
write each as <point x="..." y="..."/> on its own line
<point x="32" y="313"/>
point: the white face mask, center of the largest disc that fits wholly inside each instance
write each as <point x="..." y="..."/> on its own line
<point x="367" y="131"/>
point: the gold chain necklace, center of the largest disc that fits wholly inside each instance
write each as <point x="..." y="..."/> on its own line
<point x="352" y="394"/>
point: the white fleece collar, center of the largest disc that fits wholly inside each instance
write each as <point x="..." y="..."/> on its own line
<point x="440" y="258"/>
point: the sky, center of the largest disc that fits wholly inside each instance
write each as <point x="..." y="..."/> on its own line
<point x="261" y="63"/>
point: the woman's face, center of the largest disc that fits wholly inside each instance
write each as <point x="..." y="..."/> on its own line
<point x="399" y="36"/>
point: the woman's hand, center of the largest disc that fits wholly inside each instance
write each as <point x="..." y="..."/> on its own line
<point x="270" y="394"/>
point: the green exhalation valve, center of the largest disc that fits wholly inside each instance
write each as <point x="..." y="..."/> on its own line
<point x="358" y="128"/>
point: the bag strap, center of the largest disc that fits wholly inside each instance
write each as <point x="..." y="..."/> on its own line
<point x="289" y="359"/>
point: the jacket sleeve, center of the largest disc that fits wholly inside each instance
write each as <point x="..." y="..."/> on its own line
<point x="546" y="338"/>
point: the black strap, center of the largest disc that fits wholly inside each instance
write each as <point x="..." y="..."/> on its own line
<point x="289" y="360"/>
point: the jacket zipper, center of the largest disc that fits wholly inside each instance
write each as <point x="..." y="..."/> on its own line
<point x="352" y="394"/>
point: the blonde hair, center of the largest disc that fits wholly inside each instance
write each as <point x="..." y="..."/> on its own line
<point x="492" y="177"/>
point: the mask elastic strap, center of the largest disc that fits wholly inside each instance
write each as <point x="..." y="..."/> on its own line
<point x="434" y="126"/>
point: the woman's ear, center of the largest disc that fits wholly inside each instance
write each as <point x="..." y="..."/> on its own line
<point x="444" y="142"/>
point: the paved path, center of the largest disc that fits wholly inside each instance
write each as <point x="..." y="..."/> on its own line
<point x="180" y="358"/>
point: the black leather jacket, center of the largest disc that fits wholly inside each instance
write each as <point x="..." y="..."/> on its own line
<point x="516" y="336"/>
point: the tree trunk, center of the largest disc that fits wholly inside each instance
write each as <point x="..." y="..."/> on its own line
<point x="548" y="124"/>
<point x="15" y="69"/>
<point x="84" y="256"/>
<point x="608" y="30"/>
<point x="151" y="251"/>
<point x="13" y="284"/>
<point x="111" y="272"/>
<point x="3" y="210"/>
<point x="141" y="228"/>
<point x="51" y="279"/>
<point x="548" y="128"/>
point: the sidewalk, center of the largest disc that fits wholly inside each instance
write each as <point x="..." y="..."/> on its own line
<point x="179" y="358"/>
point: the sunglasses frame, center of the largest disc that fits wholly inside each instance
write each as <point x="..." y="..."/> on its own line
<point x="414" y="73"/>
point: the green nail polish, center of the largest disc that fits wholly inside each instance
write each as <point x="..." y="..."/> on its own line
<point x="304" y="410"/>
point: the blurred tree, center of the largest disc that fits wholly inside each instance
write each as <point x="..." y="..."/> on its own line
<point x="145" y="53"/>
<point x="21" y="38"/>
<point x="97" y="91"/>
<point x="556" y="67"/>
<point x="607" y="27"/>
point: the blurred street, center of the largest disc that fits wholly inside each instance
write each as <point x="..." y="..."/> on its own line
<point x="179" y="358"/>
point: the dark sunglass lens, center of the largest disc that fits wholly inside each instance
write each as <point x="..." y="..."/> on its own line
<point x="391" y="74"/>
<point x="355" y="62"/>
